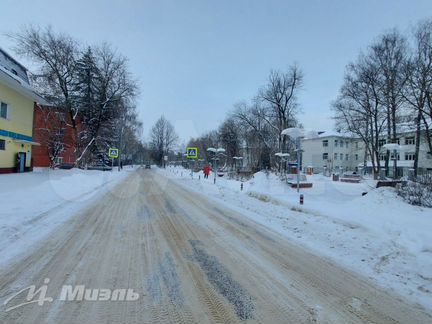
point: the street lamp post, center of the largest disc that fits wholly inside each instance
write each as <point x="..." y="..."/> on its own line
<point x="395" y="148"/>
<point x="298" y="133"/>
<point x="216" y="152"/>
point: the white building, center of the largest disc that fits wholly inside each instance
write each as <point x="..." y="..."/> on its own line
<point x="331" y="151"/>
<point x="336" y="152"/>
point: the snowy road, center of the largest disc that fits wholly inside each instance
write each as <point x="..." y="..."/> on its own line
<point x="190" y="261"/>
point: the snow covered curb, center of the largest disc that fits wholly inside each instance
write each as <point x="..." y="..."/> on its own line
<point x="378" y="235"/>
<point x="34" y="204"/>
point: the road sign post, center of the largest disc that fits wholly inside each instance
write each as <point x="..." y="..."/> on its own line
<point x="191" y="154"/>
<point x="113" y="153"/>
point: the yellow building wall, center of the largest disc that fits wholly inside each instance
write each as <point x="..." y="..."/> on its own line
<point x="20" y="120"/>
<point x="8" y="157"/>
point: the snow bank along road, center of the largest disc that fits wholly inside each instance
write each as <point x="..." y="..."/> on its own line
<point x="190" y="261"/>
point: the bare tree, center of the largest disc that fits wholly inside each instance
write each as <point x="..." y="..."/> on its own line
<point x="418" y="92"/>
<point x="93" y="87"/>
<point x="162" y="139"/>
<point x="56" y="56"/>
<point x="280" y="96"/>
<point x="389" y="52"/>
<point x="358" y="109"/>
<point x="230" y="138"/>
<point x="258" y="132"/>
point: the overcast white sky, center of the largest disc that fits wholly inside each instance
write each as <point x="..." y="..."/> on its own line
<point x="195" y="59"/>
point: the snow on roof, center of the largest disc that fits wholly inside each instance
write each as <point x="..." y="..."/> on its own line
<point x="333" y="133"/>
<point x="15" y="77"/>
<point x="299" y="132"/>
<point x="20" y="85"/>
<point x="10" y="57"/>
<point x="323" y="134"/>
<point x="13" y="66"/>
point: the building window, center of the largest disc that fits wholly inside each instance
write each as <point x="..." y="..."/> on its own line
<point x="325" y="156"/>
<point x="341" y="157"/>
<point x="4" y="110"/>
<point x="410" y="140"/>
<point x="381" y="142"/>
<point x="58" y="160"/>
<point x="409" y="156"/>
<point x="60" y="132"/>
<point x="335" y="156"/>
<point x="325" y="143"/>
<point x="341" y="143"/>
<point x="392" y="156"/>
<point x="2" y="145"/>
<point x="60" y="116"/>
<point x="382" y="157"/>
<point x="346" y="157"/>
<point x="346" y="144"/>
<point x="356" y="157"/>
<point x="336" y="143"/>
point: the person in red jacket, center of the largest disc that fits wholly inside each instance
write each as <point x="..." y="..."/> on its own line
<point x="207" y="170"/>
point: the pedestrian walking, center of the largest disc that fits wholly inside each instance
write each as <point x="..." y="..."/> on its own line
<point x="206" y="171"/>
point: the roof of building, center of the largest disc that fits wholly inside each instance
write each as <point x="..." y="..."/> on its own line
<point x="17" y="80"/>
<point x="13" y="66"/>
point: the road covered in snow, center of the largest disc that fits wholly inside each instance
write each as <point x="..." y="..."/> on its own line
<point x="376" y="235"/>
<point x="187" y="259"/>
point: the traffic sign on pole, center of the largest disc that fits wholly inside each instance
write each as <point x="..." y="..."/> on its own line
<point x="113" y="152"/>
<point x="192" y="152"/>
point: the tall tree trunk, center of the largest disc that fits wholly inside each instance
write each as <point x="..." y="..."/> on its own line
<point x="417" y="144"/>
<point x="389" y="140"/>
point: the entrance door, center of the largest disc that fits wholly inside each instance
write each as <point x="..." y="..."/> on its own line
<point x="22" y="161"/>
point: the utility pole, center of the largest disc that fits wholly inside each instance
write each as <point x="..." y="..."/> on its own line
<point x="298" y="163"/>
<point x="122" y="122"/>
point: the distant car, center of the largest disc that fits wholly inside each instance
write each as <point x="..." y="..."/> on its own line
<point x="148" y="166"/>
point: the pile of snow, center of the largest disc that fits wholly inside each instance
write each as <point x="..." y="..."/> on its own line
<point x="377" y="235"/>
<point x="34" y="203"/>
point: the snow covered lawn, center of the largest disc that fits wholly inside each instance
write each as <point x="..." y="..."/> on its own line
<point x="34" y="203"/>
<point x="377" y="235"/>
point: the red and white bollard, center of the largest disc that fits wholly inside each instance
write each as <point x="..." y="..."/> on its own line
<point x="301" y="199"/>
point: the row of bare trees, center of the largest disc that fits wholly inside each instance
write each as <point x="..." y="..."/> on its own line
<point x="92" y="86"/>
<point x="387" y="89"/>
<point x="255" y="126"/>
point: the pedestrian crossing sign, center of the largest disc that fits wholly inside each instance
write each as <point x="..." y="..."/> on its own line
<point x="113" y="152"/>
<point x="192" y="152"/>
